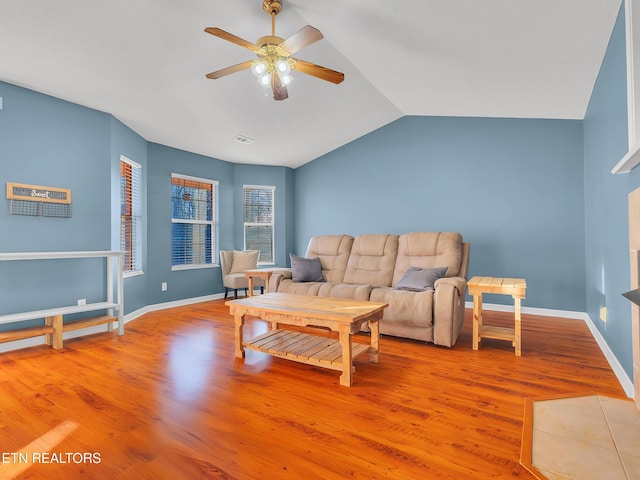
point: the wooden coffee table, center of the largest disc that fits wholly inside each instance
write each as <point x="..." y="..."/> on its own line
<point x="339" y="315"/>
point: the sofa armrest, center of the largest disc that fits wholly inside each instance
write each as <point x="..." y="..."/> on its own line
<point x="448" y="309"/>
<point x="458" y="282"/>
<point x="277" y="277"/>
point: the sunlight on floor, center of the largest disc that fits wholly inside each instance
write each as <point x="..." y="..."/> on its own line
<point x="13" y="464"/>
<point x="191" y="360"/>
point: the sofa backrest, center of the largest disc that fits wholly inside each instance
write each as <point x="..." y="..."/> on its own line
<point x="333" y="252"/>
<point x="429" y="250"/>
<point x="372" y="260"/>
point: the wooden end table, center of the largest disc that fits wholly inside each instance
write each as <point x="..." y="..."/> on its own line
<point x="517" y="288"/>
<point x="340" y="315"/>
<point x="264" y="273"/>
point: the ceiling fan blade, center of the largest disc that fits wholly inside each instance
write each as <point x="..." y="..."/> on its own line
<point x="229" y="70"/>
<point x="304" y="37"/>
<point x="279" y="90"/>
<point x="217" y="32"/>
<point x="322" y="73"/>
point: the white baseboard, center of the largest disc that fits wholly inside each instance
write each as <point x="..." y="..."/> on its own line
<point x="625" y="382"/>
<point x="41" y="340"/>
<point x="543" y="312"/>
<point x="176" y="303"/>
<point x="623" y="378"/>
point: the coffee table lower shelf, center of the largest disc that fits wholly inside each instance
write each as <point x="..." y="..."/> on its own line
<point x="303" y="347"/>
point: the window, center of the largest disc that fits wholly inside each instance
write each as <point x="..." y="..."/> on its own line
<point x="194" y="222"/>
<point x="131" y="215"/>
<point x="258" y="221"/>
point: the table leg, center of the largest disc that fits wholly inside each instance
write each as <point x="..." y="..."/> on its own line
<point x="267" y="277"/>
<point x="250" y="281"/>
<point x="49" y="336"/>
<point x="517" y="339"/>
<point x="346" y="378"/>
<point x="239" y="322"/>
<point x="374" y="353"/>
<point x="477" y="319"/>
<point x="54" y="339"/>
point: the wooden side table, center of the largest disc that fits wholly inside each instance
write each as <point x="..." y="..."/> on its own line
<point x="517" y="288"/>
<point x="264" y="273"/>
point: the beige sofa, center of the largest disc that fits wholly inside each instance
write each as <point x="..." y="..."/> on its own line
<point x="370" y="267"/>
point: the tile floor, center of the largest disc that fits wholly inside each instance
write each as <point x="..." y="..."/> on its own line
<point x="585" y="438"/>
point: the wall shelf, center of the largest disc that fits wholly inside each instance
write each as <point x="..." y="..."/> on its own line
<point x="629" y="161"/>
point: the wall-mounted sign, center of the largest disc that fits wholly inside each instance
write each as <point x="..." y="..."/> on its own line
<point x="35" y="200"/>
<point x="36" y="193"/>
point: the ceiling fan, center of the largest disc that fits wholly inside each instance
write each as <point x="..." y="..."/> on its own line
<point x="274" y="64"/>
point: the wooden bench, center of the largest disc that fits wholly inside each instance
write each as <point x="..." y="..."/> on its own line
<point x="54" y="326"/>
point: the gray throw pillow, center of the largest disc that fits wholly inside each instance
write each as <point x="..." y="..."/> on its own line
<point x="306" y="269"/>
<point x="420" y="279"/>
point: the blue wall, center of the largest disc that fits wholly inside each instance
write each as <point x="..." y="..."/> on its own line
<point x="606" y="229"/>
<point x="513" y="188"/>
<point x="282" y="179"/>
<point x="50" y="142"/>
<point x="125" y="141"/>
<point x="162" y="162"/>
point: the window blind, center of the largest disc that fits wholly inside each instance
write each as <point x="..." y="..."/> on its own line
<point x="258" y="216"/>
<point x="193" y="223"/>
<point x="131" y="214"/>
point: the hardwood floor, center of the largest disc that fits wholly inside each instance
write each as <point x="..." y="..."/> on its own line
<point x="168" y="400"/>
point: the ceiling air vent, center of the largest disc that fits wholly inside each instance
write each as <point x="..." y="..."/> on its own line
<point x="243" y="139"/>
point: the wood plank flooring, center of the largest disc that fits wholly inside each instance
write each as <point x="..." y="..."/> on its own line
<point x="168" y="400"/>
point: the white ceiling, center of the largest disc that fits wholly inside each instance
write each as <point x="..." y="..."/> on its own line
<point x="144" y="61"/>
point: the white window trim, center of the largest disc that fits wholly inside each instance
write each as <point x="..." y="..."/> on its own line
<point x="253" y="224"/>
<point x="214" y="224"/>
<point x="138" y="246"/>
<point x="132" y="273"/>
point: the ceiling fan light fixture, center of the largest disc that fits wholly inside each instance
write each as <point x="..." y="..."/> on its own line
<point x="258" y="68"/>
<point x="286" y="79"/>
<point x="273" y="67"/>
<point x="282" y="66"/>
<point x="265" y="79"/>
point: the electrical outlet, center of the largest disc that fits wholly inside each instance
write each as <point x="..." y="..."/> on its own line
<point x="82" y="301"/>
<point x="163" y="286"/>
<point x="603" y="314"/>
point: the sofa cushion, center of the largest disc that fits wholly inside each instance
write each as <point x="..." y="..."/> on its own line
<point x="372" y="260"/>
<point x="413" y="309"/>
<point x="236" y="280"/>
<point x="420" y="279"/>
<point x="345" y="290"/>
<point x="333" y="252"/>
<point x="244" y="260"/>
<point x="428" y="250"/>
<point x="306" y="269"/>
<point x="287" y="285"/>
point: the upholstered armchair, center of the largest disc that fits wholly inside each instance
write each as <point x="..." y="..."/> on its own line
<point x="233" y="264"/>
